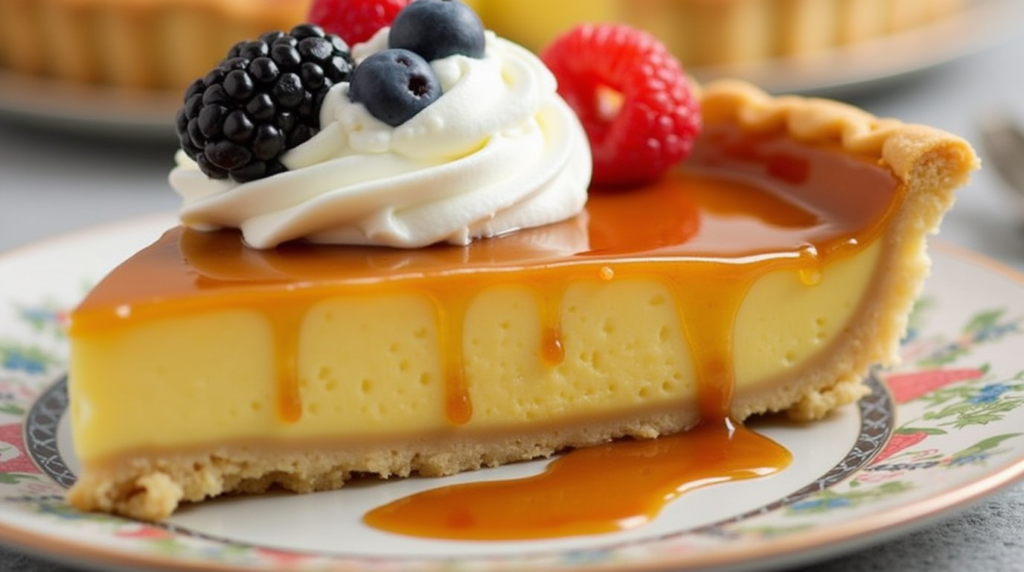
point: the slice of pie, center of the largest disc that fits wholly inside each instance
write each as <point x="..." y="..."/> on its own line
<point x="767" y="274"/>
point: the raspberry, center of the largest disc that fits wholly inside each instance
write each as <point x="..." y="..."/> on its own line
<point x="262" y="100"/>
<point x="633" y="99"/>
<point x="355" y="20"/>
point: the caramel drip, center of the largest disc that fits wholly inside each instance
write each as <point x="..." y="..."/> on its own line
<point x="550" y="299"/>
<point x="285" y="322"/>
<point x="602" y="489"/>
<point x="811" y="270"/>
<point x="708" y="301"/>
<point x="450" y="308"/>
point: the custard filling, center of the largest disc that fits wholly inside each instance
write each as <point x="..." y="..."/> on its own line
<point x="656" y="298"/>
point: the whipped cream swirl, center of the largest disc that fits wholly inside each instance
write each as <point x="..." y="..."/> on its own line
<point x="498" y="152"/>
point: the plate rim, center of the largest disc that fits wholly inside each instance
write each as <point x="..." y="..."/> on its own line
<point x="801" y="548"/>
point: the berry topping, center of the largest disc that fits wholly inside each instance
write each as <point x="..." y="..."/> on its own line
<point x="394" y="85"/>
<point x="261" y="101"/>
<point x="437" y="29"/>
<point x="633" y="99"/>
<point x="355" y="20"/>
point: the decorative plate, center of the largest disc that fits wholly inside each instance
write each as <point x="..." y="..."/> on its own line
<point x="936" y="433"/>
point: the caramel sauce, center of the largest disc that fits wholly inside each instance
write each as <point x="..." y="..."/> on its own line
<point x="742" y="207"/>
<point x="286" y="322"/>
<point x="551" y="350"/>
<point x="451" y="312"/>
<point x="596" y="490"/>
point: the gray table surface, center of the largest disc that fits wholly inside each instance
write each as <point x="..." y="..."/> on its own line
<point x="52" y="182"/>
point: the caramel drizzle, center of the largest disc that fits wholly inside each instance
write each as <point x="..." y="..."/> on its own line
<point x="596" y="490"/>
<point x="285" y="321"/>
<point x="707" y="309"/>
<point x="552" y="351"/>
<point x="450" y="316"/>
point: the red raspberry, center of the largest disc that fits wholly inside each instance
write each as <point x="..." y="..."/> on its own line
<point x="653" y="127"/>
<point x="355" y="20"/>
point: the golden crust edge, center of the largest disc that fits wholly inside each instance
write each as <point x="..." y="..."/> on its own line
<point x="900" y="146"/>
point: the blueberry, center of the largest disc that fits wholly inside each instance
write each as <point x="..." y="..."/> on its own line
<point x="437" y="29"/>
<point x="394" y="85"/>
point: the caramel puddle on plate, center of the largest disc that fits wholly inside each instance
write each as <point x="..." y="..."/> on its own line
<point x="595" y="490"/>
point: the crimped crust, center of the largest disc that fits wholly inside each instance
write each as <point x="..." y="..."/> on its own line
<point x="900" y="146"/>
<point x="930" y="163"/>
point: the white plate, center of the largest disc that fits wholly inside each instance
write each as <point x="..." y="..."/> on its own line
<point x="939" y="432"/>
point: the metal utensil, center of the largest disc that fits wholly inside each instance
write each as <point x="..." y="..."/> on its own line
<point x="1002" y="139"/>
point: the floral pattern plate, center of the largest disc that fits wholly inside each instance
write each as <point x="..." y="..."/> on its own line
<point x="939" y="431"/>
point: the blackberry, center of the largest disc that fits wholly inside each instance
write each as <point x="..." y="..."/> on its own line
<point x="262" y="100"/>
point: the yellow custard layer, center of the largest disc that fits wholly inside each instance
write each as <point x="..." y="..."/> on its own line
<point x="370" y="366"/>
<point x="633" y="307"/>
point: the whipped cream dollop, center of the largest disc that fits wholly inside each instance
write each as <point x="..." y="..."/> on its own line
<point x="498" y="152"/>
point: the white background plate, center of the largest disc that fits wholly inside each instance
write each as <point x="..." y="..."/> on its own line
<point x="958" y="402"/>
